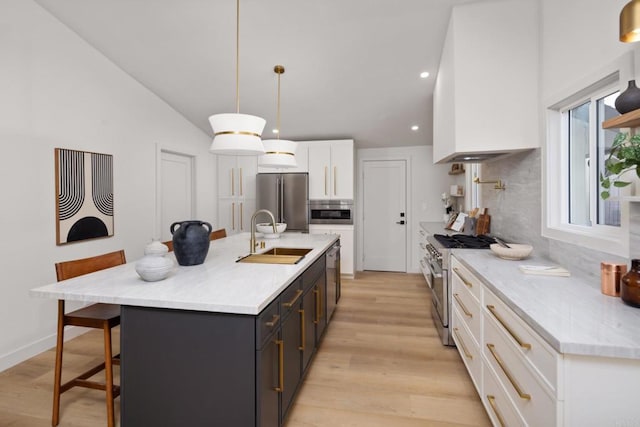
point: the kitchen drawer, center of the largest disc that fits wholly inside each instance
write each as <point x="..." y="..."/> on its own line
<point x="470" y="281"/>
<point x="310" y="276"/>
<point x="468" y="307"/>
<point x="267" y="322"/>
<point x="290" y="298"/>
<point x="542" y="358"/>
<point x="468" y="349"/>
<point x="534" y="401"/>
<point x="500" y="408"/>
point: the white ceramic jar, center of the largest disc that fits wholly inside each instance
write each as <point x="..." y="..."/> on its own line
<point x="154" y="266"/>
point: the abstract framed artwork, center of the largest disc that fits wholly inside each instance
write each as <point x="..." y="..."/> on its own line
<point x="84" y="195"/>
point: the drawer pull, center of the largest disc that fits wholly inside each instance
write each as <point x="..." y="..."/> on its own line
<point x="273" y="320"/>
<point x="521" y="343"/>
<point x="513" y="382"/>
<point x="492" y="402"/>
<point x="316" y="291"/>
<point x="464" y="347"/>
<point x="280" y="387"/>
<point x="302" y="333"/>
<point x="464" y="309"/>
<point x="293" y="301"/>
<point x="465" y="281"/>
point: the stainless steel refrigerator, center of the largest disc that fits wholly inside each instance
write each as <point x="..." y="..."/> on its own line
<point x="286" y="195"/>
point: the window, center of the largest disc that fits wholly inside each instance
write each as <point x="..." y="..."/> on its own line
<point x="576" y="149"/>
<point x="587" y="146"/>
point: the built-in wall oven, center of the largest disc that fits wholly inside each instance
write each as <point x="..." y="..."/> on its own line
<point x="438" y="254"/>
<point x="331" y="212"/>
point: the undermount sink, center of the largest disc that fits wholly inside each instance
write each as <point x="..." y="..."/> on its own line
<point x="277" y="256"/>
<point x="287" y="251"/>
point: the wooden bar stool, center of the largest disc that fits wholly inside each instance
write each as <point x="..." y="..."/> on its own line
<point x="97" y="316"/>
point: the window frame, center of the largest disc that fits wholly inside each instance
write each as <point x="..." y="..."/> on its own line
<point x="604" y="238"/>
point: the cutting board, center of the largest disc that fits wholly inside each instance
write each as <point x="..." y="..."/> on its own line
<point x="484" y="222"/>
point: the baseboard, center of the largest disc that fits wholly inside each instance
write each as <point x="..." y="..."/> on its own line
<point x="26" y="352"/>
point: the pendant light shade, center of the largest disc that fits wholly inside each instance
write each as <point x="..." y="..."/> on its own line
<point x="630" y="22"/>
<point x="237" y="134"/>
<point x="279" y="153"/>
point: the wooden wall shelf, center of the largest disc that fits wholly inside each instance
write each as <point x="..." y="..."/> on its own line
<point x="627" y="120"/>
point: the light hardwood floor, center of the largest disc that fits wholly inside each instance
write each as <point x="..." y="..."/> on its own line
<point x="380" y="364"/>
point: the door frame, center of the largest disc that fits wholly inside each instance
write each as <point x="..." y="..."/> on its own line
<point x="359" y="230"/>
<point x="160" y="148"/>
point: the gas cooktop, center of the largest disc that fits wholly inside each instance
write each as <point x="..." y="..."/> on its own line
<point x="464" y="241"/>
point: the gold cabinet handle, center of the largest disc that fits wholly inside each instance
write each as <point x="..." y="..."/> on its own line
<point x="464" y="309"/>
<point x="335" y="180"/>
<point x="523" y="395"/>
<point x="233" y="216"/>
<point x="233" y="183"/>
<point x="316" y="291"/>
<point x="464" y="347"/>
<point x="240" y="178"/>
<point x="293" y="301"/>
<point x="517" y="339"/>
<point x="325" y="181"/>
<point x="280" y="345"/>
<point x="273" y="320"/>
<point x="302" y="333"/>
<point x="492" y="402"/>
<point x="465" y="281"/>
<point x="241" y="219"/>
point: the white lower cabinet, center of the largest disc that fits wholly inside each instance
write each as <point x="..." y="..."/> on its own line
<point x="347" y="255"/>
<point x="522" y="380"/>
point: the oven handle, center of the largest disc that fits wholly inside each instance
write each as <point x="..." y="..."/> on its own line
<point x="433" y="270"/>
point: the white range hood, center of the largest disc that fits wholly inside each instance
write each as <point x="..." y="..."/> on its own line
<point x="486" y="90"/>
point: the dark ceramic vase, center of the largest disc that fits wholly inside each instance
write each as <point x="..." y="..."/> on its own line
<point x="191" y="241"/>
<point x="628" y="100"/>
<point x="630" y="285"/>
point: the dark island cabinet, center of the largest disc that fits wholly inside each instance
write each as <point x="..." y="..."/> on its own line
<point x="182" y="367"/>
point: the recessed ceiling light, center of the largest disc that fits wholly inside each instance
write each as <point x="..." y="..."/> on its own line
<point x="275" y="131"/>
<point x="415" y="127"/>
<point x="424" y="74"/>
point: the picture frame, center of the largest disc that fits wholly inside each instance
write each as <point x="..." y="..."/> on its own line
<point x="84" y="195"/>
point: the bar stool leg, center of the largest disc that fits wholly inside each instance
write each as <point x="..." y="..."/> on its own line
<point x="108" y="368"/>
<point x="58" y="371"/>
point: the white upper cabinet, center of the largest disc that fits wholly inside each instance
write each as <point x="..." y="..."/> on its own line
<point x="486" y="91"/>
<point x="302" y="155"/>
<point x="236" y="192"/>
<point x="331" y="169"/>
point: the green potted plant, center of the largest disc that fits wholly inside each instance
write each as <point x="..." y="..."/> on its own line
<point x="623" y="157"/>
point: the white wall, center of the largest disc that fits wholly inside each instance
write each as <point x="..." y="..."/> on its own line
<point x="57" y="91"/>
<point x="425" y="184"/>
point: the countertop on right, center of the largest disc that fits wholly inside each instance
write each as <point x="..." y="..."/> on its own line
<point x="570" y="313"/>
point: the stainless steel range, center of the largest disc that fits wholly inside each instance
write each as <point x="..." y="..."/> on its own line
<point x="438" y="260"/>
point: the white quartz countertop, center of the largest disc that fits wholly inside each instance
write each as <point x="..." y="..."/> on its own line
<point x="570" y="313"/>
<point x="219" y="285"/>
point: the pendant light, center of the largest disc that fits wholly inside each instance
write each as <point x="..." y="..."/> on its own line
<point x="630" y="22"/>
<point x="279" y="153"/>
<point x="235" y="133"/>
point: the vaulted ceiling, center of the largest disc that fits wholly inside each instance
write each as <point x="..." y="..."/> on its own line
<point x="352" y="66"/>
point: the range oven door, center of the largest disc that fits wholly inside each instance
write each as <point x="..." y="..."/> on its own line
<point x="439" y="292"/>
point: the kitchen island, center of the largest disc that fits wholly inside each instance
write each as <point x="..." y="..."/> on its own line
<point x="221" y="343"/>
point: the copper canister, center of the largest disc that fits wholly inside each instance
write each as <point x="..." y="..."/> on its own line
<point x="610" y="275"/>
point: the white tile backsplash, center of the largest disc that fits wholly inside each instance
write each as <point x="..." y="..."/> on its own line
<point x="516" y="213"/>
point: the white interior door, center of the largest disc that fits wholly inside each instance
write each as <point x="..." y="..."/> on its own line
<point x="385" y="230"/>
<point x="176" y="191"/>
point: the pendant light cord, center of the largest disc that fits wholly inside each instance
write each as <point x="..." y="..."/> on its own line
<point x="238" y="56"/>
<point x="278" y="109"/>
